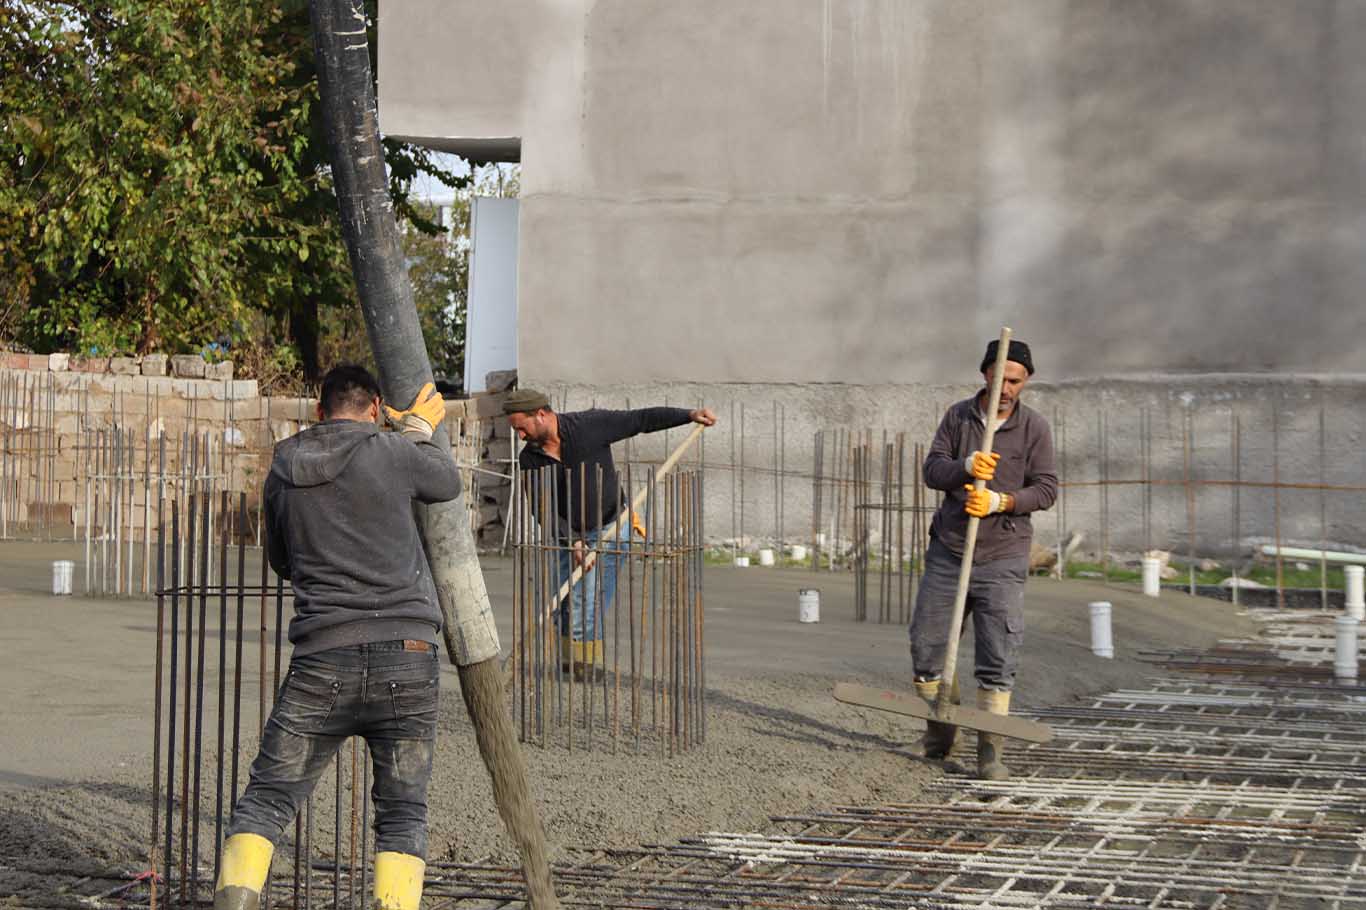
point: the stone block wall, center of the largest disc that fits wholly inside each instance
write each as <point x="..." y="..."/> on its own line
<point x="77" y="433"/>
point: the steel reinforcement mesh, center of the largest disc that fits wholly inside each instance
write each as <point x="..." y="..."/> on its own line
<point x="1236" y="781"/>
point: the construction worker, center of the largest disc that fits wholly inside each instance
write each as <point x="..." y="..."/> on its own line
<point x="340" y="526"/>
<point x="1020" y="480"/>
<point x="579" y="444"/>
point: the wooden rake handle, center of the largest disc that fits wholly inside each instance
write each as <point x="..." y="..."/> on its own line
<point x="943" y="702"/>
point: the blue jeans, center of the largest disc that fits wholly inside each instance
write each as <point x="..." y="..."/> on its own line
<point x="382" y="691"/>
<point x="995" y="603"/>
<point x="594" y="591"/>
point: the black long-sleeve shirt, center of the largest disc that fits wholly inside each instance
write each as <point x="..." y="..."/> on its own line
<point x="586" y="439"/>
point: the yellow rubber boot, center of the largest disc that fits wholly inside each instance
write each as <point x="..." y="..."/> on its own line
<point x="990" y="746"/>
<point x="242" y="872"/>
<point x="939" y="737"/>
<point x="398" y="881"/>
<point x="587" y="658"/>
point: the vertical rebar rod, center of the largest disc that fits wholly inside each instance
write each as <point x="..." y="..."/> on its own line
<point x="173" y="689"/>
<point x="355" y="817"/>
<point x="1323" y="507"/>
<point x="146" y="483"/>
<point x="1062" y="494"/>
<point x="262" y="629"/>
<point x="777" y="496"/>
<point x="336" y="832"/>
<point x="1236" y="442"/>
<point x="596" y="606"/>
<point x="204" y="550"/>
<point x="222" y="679"/>
<point x="156" y="701"/>
<point x="189" y="683"/>
<point x="742" y="473"/>
<point x="734" y="524"/>
<point x="364" y="817"/>
<point x="237" y="644"/>
<point x="901" y="564"/>
<point x="1190" y="497"/>
<point x="782" y="480"/>
<point x="817" y="457"/>
<point x="1276" y="498"/>
<point x="1102" y="421"/>
<point x="1145" y="433"/>
<point x="624" y="557"/>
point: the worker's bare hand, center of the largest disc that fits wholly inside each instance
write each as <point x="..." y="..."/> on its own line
<point x="703" y="416"/>
<point x="578" y="553"/>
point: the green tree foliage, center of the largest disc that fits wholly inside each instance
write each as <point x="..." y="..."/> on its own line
<point x="163" y="181"/>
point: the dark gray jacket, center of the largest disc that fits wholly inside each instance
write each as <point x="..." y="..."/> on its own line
<point x="340" y="527"/>
<point x="1026" y="470"/>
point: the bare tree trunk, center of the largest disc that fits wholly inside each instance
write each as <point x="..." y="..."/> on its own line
<point x="351" y="122"/>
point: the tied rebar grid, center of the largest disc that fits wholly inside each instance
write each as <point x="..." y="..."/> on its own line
<point x="643" y="684"/>
<point x="1212" y="790"/>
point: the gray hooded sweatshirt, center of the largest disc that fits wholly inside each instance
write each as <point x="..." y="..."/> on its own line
<point x="340" y="527"/>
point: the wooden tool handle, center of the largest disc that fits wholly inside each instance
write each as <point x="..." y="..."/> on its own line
<point x="943" y="704"/>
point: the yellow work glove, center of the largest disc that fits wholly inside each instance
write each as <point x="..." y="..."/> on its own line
<point x="982" y="503"/>
<point x="982" y="465"/>
<point x="423" y="416"/>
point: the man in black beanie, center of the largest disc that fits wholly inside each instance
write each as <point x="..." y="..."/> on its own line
<point x="1020" y="479"/>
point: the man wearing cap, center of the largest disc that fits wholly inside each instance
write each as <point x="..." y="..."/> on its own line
<point x="578" y="444"/>
<point x="1020" y="479"/>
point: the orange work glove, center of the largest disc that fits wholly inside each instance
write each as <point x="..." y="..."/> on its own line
<point x="982" y="465"/>
<point x="423" y="416"/>
<point x="982" y="503"/>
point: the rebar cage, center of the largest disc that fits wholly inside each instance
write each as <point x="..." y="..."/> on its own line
<point x="208" y="614"/>
<point x="630" y="669"/>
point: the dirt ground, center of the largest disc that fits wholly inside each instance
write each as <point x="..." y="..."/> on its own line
<point x="75" y="735"/>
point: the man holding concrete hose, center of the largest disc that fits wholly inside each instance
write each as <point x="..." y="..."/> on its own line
<point x="1020" y="479"/>
<point x="579" y="446"/>
<point x="340" y="526"/>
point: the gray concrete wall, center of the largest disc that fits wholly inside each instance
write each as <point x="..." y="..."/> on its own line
<point x="862" y="192"/>
<point x="1119" y="429"/>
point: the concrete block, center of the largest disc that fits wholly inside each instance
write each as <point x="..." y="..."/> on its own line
<point x="455" y="409"/>
<point x="487" y="405"/>
<point x="125" y="366"/>
<point x="257" y="408"/>
<point x="219" y="371"/>
<point x="234" y="390"/>
<point x="51" y="513"/>
<point x="89" y="364"/>
<point x="296" y="409"/>
<point x="500" y="380"/>
<point x="188" y="366"/>
<point x="283" y="429"/>
<point x="154" y="364"/>
<point x="58" y="363"/>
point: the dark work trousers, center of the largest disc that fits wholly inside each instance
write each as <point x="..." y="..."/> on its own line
<point x="385" y="692"/>
<point x="995" y="604"/>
